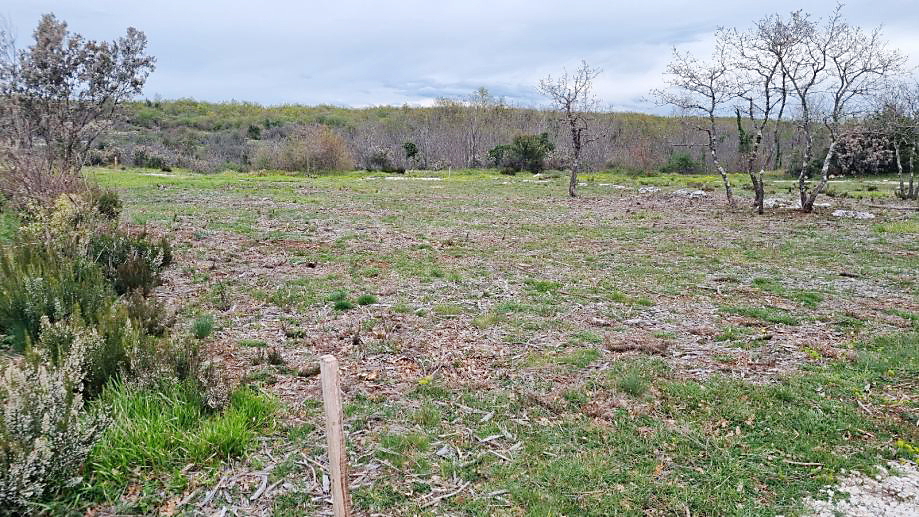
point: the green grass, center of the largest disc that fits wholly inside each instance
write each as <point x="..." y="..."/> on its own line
<point x="529" y="303"/>
<point x="809" y="299"/>
<point x="163" y="430"/>
<point x="771" y="443"/>
<point x="366" y="299"/>
<point x="633" y="383"/>
<point x="8" y="226"/>
<point x="342" y="305"/>
<point x="902" y="227"/>
<point x="203" y="326"/>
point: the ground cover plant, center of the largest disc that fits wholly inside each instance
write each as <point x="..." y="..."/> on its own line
<point x="500" y="359"/>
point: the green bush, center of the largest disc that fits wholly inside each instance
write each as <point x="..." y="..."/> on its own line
<point x="202" y="326"/>
<point x="526" y="152"/>
<point x="682" y="163"/>
<point x="131" y="261"/>
<point x="37" y="283"/>
<point x="106" y="202"/>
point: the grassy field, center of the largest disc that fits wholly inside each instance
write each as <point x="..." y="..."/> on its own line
<point x="509" y="351"/>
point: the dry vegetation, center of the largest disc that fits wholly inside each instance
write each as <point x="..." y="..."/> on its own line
<point x="495" y="351"/>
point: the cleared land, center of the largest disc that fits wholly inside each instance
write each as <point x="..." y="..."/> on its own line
<point x="510" y="351"/>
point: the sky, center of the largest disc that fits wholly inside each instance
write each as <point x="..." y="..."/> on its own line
<point x="375" y="52"/>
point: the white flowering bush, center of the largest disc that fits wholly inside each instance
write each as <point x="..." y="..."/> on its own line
<point x="45" y="435"/>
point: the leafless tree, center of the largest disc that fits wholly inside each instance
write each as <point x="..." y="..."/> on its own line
<point x="702" y="90"/>
<point x="573" y="100"/>
<point x="761" y="92"/>
<point x="56" y="97"/>
<point x="482" y="108"/>
<point x="896" y="120"/>
<point x="832" y="68"/>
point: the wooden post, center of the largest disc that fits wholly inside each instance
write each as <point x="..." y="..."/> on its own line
<point x="338" y="460"/>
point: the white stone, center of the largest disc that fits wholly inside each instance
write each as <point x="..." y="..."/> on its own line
<point x="853" y="214"/>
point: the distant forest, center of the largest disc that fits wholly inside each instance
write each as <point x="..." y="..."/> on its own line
<point x="210" y="137"/>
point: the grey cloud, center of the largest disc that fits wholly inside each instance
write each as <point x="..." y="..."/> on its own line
<point x="351" y="52"/>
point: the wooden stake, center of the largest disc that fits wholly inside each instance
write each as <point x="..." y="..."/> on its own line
<point x="338" y="460"/>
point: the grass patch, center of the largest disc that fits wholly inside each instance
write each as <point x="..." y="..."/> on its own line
<point x="343" y="305"/>
<point x="203" y="326"/>
<point x="772" y="444"/>
<point x="905" y="227"/>
<point x="366" y="299"/>
<point x="580" y="358"/>
<point x="807" y="298"/>
<point x="448" y="310"/>
<point x="164" y="430"/>
<point x="633" y="383"/>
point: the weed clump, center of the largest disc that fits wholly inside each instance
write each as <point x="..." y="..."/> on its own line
<point x="202" y="326"/>
<point x="366" y="299"/>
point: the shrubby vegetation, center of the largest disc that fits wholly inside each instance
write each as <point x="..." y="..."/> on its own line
<point x="303" y="149"/>
<point x="82" y="339"/>
<point x="525" y="153"/>
<point x="682" y="163"/>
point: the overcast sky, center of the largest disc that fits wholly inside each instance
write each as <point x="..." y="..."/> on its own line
<point x="355" y="53"/>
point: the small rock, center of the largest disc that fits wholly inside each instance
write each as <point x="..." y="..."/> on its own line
<point x="691" y="194"/>
<point x="776" y="202"/>
<point x="853" y="214"/>
<point x="648" y="190"/>
<point x="445" y="452"/>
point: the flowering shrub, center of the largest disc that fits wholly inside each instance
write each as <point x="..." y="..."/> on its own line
<point x="44" y="434"/>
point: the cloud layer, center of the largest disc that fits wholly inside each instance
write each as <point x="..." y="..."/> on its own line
<point x="359" y="53"/>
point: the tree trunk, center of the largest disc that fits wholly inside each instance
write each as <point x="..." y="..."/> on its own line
<point x="913" y="194"/>
<point x="777" y="156"/>
<point x="802" y="177"/>
<point x="573" y="181"/>
<point x="724" y="175"/>
<point x="896" y="150"/>
<point x="759" y="192"/>
<point x="808" y="204"/>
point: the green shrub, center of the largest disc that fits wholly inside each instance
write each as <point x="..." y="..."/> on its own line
<point x="131" y="261"/>
<point x="147" y="314"/>
<point x="682" y="163"/>
<point x="106" y="202"/>
<point x="36" y="283"/>
<point x="203" y="326"/>
<point x="526" y="152"/>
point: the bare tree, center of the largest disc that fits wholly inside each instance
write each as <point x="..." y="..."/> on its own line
<point x="833" y="68"/>
<point x="760" y="88"/>
<point x="896" y="120"/>
<point x="56" y="98"/>
<point x="481" y="110"/>
<point x="702" y="90"/>
<point x="572" y="98"/>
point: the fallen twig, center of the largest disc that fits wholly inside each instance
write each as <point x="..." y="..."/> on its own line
<point x="440" y="498"/>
